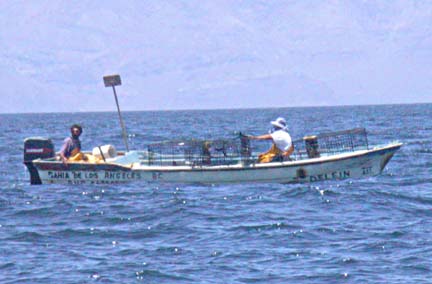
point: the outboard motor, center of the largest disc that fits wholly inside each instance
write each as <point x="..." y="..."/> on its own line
<point x="35" y="148"/>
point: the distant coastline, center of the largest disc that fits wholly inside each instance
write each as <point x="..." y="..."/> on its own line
<point x="221" y="109"/>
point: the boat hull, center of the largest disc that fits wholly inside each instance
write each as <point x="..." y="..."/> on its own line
<point x="356" y="164"/>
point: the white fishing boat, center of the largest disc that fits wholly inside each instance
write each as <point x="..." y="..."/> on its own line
<point x="330" y="156"/>
<point x="327" y="156"/>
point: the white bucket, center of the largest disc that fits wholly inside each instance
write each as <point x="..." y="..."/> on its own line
<point x="108" y="151"/>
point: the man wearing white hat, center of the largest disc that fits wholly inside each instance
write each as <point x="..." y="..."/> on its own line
<point x="282" y="143"/>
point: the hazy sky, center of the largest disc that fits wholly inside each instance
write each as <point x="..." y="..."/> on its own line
<point x="213" y="54"/>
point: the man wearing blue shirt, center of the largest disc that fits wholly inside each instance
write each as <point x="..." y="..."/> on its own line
<point x="71" y="145"/>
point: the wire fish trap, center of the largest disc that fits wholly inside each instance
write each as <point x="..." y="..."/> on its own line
<point x="239" y="150"/>
<point x="199" y="152"/>
<point x="332" y="143"/>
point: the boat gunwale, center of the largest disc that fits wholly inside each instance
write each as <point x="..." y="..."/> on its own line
<point x="253" y="166"/>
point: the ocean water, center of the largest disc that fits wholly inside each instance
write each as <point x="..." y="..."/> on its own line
<point x="373" y="230"/>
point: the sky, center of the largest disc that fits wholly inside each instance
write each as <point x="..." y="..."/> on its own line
<point x="213" y="54"/>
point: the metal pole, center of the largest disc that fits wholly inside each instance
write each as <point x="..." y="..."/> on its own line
<point x="121" y="121"/>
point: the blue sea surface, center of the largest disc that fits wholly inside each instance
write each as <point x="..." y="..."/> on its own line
<point x="373" y="230"/>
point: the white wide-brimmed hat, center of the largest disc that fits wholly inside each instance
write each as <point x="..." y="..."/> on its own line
<point x="279" y="122"/>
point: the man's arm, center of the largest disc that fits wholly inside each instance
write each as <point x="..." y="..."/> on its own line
<point x="63" y="150"/>
<point x="261" y="137"/>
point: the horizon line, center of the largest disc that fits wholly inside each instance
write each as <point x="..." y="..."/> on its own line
<point x="219" y="109"/>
